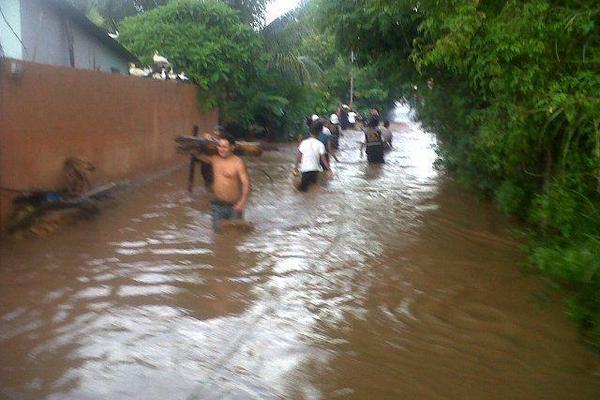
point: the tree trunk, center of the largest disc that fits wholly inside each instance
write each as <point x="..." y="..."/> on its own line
<point x="548" y="168"/>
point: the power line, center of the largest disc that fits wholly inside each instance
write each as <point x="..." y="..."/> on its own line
<point x="12" y="30"/>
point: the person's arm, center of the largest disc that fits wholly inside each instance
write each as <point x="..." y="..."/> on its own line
<point x="204" y="158"/>
<point x="327" y="165"/>
<point x="298" y="160"/>
<point x="363" y="142"/>
<point x="245" y="180"/>
<point x="331" y="150"/>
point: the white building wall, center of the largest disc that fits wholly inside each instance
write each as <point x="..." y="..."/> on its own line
<point x="44" y="34"/>
<point x="46" y="40"/>
<point x="91" y="54"/>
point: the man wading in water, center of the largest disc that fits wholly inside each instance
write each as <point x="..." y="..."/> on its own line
<point x="231" y="186"/>
<point x="309" y="156"/>
<point x="373" y="142"/>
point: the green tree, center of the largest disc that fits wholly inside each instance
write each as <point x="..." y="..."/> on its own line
<point x="251" y="11"/>
<point x="381" y="35"/>
<point x="110" y="12"/>
<point x="208" y="41"/>
<point x="292" y="89"/>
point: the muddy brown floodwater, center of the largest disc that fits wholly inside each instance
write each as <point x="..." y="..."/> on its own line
<point x="385" y="283"/>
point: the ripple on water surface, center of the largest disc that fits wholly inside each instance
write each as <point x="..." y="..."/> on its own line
<point x="385" y="282"/>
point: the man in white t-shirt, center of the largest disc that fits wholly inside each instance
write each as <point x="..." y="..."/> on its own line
<point x="311" y="152"/>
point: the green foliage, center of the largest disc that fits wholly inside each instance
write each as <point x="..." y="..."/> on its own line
<point x="284" y="40"/>
<point x="381" y="34"/>
<point x="369" y="90"/>
<point x="531" y="129"/>
<point x="251" y="11"/>
<point x="512" y="198"/>
<point x="576" y="265"/>
<point x="511" y="89"/>
<point x="292" y="74"/>
<point x="110" y="12"/>
<point x="305" y="68"/>
<point x="204" y="38"/>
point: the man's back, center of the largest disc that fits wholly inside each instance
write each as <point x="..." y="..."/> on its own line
<point x="374" y="145"/>
<point x="311" y="150"/>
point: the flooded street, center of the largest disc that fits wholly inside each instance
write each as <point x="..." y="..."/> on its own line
<point x="387" y="282"/>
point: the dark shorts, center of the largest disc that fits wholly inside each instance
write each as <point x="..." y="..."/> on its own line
<point x="220" y="211"/>
<point x="308" y="178"/>
<point x="375" y="154"/>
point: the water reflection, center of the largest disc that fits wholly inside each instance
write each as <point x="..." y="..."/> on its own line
<point x="386" y="282"/>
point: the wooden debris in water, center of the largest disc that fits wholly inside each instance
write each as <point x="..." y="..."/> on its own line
<point x="192" y="144"/>
<point x="41" y="213"/>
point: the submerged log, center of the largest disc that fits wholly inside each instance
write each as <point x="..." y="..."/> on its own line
<point x="191" y="144"/>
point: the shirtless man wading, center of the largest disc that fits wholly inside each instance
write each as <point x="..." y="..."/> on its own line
<point x="231" y="186"/>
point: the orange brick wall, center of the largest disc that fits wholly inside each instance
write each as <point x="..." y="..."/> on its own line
<point x="123" y="125"/>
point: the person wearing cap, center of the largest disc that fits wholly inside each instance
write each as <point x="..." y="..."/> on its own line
<point x="343" y="116"/>
<point x="352" y="118"/>
<point x="336" y="131"/>
<point x="310" y="121"/>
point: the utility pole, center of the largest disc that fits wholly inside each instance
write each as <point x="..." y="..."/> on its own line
<point x="351" y="78"/>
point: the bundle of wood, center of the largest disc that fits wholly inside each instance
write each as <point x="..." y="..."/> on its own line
<point x="193" y="144"/>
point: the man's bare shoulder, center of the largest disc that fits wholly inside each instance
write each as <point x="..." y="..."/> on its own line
<point x="239" y="161"/>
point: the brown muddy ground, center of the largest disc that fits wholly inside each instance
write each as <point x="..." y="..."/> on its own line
<point x="385" y="283"/>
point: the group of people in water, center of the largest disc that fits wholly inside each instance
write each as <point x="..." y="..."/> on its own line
<point x="226" y="176"/>
<point x="321" y="143"/>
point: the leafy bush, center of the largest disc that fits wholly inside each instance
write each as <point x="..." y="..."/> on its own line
<point x="576" y="266"/>
<point x="512" y="94"/>
<point x="207" y="40"/>
<point x="512" y="198"/>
